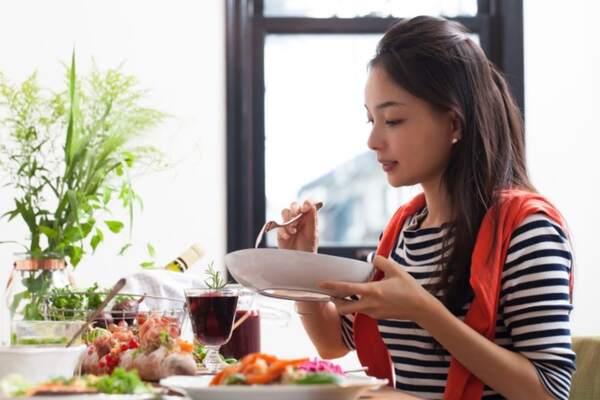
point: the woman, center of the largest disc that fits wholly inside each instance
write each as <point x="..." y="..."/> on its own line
<point x="472" y="297"/>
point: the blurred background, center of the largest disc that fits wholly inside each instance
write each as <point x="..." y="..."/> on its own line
<point x="244" y="141"/>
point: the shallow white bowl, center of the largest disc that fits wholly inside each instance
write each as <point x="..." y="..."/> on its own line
<point x="196" y="387"/>
<point x="40" y="363"/>
<point x="292" y="274"/>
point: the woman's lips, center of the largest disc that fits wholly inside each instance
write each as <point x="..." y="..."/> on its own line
<point x="388" y="165"/>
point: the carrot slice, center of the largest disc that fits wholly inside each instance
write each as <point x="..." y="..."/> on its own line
<point x="261" y="379"/>
<point x="225" y="373"/>
<point x="274" y="372"/>
<point x="186" y="347"/>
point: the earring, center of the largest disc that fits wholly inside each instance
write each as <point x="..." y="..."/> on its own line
<point x="454" y="140"/>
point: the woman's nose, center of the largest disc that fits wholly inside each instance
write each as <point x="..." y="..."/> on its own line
<point x="374" y="141"/>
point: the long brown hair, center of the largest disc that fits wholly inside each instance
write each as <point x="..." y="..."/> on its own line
<point x="434" y="59"/>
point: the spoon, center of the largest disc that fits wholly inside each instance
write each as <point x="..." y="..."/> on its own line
<point x="270" y="225"/>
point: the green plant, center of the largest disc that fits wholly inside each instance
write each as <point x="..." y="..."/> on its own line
<point x="215" y="279"/>
<point x="70" y="155"/>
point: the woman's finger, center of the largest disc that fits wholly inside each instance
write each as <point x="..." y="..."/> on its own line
<point x="350" y="306"/>
<point x="385" y="265"/>
<point x="295" y="208"/>
<point x="307" y="205"/>
<point x="286" y="214"/>
<point x="344" y="289"/>
<point x="282" y="234"/>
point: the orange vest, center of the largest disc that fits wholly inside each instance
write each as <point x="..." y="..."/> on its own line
<point x="486" y="271"/>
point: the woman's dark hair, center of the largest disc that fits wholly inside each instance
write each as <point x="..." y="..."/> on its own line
<point x="434" y="59"/>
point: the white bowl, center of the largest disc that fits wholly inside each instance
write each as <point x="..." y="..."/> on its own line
<point x="40" y="363"/>
<point x="292" y="274"/>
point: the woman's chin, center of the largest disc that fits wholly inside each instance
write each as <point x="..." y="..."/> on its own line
<point x="398" y="181"/>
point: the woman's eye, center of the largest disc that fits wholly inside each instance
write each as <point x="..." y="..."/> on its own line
<point x="393" y="122"/>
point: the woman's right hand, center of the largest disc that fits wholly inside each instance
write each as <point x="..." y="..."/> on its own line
<point x="303" y="234"/>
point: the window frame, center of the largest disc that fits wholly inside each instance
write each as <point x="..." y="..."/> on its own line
<point x="499" y="24"/>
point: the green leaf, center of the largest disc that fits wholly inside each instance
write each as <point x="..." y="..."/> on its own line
<point x="96" y="239"/>
<point x="73" y="234"/>
<point x="114" y="226"/>
<point x="319" y="378"/>
<point x="69" y="140"/>
<point x="106" y="195"/>
<point x="124" y="249"/>
<point x="87" y="227"/>
<point x="147" y="264"/>
<point x="49" y="232"/>
<point x="151" y="250"/>
<point x="75" y="253"/>
<point x="235" y="379"/>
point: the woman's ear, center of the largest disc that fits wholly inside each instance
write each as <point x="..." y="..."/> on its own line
<point x="455" y="127"/>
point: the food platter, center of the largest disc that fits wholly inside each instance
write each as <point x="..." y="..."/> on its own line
<point x="197" y="389"/>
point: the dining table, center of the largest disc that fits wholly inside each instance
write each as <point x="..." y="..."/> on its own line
<point x="386" y="393"/>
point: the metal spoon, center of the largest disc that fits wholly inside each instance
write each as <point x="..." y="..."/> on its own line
<point x="270" y="225"/>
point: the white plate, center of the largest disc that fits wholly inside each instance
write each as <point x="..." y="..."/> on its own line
<point x="196" y="387"/>
<point x="292" y="274"/>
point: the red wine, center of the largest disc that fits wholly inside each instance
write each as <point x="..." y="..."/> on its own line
<point x="246" y="338"/>
<point x="212" y="317"/>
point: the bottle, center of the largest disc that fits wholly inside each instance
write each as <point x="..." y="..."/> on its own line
<point x="185" y="260"/>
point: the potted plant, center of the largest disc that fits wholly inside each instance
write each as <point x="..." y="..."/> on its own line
<point x="68" y="156"/>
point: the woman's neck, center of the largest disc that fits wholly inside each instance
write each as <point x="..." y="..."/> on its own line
<point x="438" y="205"/>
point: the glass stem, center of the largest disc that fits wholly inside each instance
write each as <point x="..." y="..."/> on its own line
<point x="212" y="360"/>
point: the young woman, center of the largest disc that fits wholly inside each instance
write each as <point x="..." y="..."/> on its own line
<point x="472" y="295"/>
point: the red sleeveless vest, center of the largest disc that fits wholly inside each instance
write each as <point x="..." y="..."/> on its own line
<point x="486" y="271"/>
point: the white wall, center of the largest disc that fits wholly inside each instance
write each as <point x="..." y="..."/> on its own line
<point x="562" y="104"/>
<point x="176" y="49"/>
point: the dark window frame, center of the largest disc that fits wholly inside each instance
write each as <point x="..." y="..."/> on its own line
<point x="499" y="24"/>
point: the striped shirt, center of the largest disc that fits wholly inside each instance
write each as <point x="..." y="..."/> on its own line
<point x="533" y="312"/>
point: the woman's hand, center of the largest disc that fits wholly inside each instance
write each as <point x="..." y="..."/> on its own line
<point x="397" y="296"/>
<point x="303" y="234"/>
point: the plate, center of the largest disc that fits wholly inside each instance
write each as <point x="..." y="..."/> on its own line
<point x="197" y="389"/>
<point x="293" y="274"/>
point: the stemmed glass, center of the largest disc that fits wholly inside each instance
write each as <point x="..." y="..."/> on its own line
<point x="212" y="312"/>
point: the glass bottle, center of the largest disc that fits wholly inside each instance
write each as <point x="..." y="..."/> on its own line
<point x="186" y="259"/>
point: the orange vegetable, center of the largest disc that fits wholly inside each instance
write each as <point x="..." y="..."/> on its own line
<point x="253" y="367"/>
<point x="224" y="374"/>
<point x="186" y="347"/>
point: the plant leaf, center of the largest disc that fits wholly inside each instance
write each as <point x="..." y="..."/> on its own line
<point x="124" y="249"/>
<point x="49" y="232"/>
<point x="96" y="239"/>
<point x="75" y="254"/>
<point x="147" y="264"/>
<point x="114" y="226"/>
<point x="151" y="250"/>
<point x="69" y="140"/>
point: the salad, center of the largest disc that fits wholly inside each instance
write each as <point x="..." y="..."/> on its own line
<point x="119" y="382"/>
<point x="265" y="369"/>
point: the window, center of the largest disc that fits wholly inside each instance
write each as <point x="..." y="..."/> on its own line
<point x="295" y="120"/>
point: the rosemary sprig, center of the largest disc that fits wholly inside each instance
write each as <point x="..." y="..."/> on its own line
<point x="215" y="279"/>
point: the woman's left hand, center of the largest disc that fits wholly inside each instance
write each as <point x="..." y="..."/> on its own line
<point x="397" y="296"/>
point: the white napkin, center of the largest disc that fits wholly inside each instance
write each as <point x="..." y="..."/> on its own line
<point x="161" y="283"/>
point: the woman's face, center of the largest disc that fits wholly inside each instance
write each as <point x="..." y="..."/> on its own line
<point x="411" y="139"/>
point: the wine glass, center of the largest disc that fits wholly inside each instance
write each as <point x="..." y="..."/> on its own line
<point x="212" y="312"/>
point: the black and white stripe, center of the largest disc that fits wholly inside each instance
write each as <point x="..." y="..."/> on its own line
<point x="533" y="313"/>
